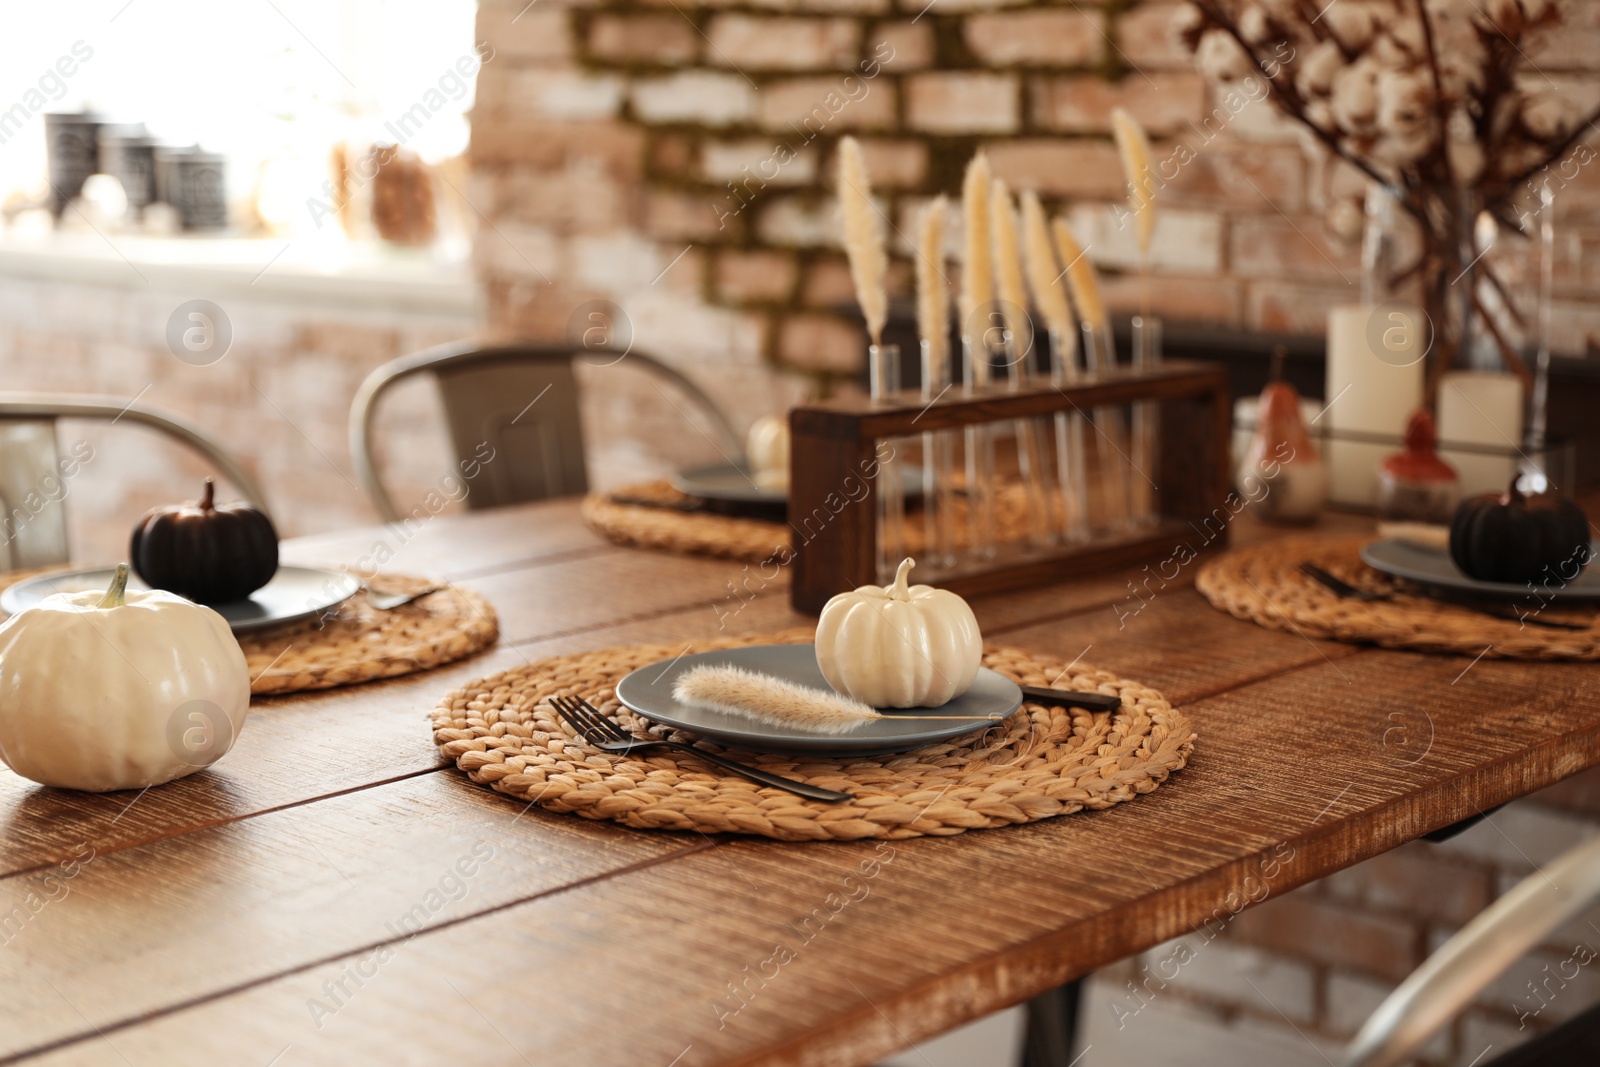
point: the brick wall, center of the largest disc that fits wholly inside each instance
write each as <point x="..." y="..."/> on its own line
<point x="675" y="157"/>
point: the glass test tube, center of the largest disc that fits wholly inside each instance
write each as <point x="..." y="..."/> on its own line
<point x="1071" y="443"/>
<point x="883" y="362"/>
<point x="938" y="471"/>
<point x="1029" y="434"/>
<point x="979" y="447"/>
<point x="1100" y="356"/>
<point x="1146" y="356"/>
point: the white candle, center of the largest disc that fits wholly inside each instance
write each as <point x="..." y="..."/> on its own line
<point x="1374" y="383"/>
<point x="1481" y="408"/>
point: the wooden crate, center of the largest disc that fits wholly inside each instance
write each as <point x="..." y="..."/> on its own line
<point x="833" y="453"/>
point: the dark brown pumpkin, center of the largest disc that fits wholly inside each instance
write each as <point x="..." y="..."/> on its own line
<point x="1513" y="538"/>
<point x="210" y="554"/>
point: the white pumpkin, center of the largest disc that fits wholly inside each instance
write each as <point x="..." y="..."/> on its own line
<point x="118" y="690"/>
<point x="899" y="646"/>
<point x="767" y="448"/>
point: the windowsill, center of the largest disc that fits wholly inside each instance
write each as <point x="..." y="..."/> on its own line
<point x="301" y="270"/>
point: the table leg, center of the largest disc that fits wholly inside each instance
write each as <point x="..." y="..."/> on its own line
<point x="1052" y="1026"/>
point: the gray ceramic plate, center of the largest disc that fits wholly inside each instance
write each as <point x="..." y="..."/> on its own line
<point x="648" y="691"/>
<point x="1434" y="568"/>
<point x="294" y="593"/>
<point x="726" y="481"/>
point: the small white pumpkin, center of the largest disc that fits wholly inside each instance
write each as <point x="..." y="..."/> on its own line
<point x="899" y="646"/>
<point x="118" y="690"/>
<point x="767" y="447"/>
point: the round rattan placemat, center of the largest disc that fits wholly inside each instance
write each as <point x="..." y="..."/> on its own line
<point x="752" y="540"/>
<point x="1264" y="585"/>
<point x="1039" y="763"/>
<point x="360" y="643"/>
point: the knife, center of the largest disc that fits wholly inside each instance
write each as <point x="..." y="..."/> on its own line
<point x="1066" y="698"/>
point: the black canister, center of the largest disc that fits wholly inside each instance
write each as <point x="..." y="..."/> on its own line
<point x="72" y="151"/>
<point x="127" y="153"/>
<point x="199" y="190"/>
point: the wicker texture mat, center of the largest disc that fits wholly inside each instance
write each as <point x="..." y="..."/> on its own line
<point x="1039" y="763"/>
<point x="1264" y="585"/>
<point x="751" y="540"/>
<point x="361" y="643"/>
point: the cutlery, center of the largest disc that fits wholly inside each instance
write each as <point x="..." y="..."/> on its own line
<point x="1066" y="698"/>
<point x="390" y="601"/>
<point x="1344" y="589"/>
<point x="593" y="727"/>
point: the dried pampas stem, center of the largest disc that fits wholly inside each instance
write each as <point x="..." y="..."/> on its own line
<point x="776" y="702"/>
<point x="977" y="270"/>
<point x="1135" y="149"/>
<point x="1081" y="278"/>
<point x="863" y="241"/>
<point x="933" y="292"/>
<point x="1008" y="268"/>
<point x="1044" y="274"/>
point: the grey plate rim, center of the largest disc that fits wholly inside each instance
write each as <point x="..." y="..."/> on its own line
<point x="821" y="745"/>
<point x="690" y="483"/>
<point x="349" y="587"/>
<point x="1448" y="577"/>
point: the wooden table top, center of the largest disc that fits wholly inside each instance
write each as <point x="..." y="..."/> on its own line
<point x="331" y="892"/>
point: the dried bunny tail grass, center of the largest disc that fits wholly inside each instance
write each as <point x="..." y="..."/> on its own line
<point x="977" y="270"/>
<point x="736" y="691"/>
<point x="1044" y="273"/>
<point x="933" y="291"/>
<point x="863" y="241"/>
<point x="1135" y="149"/>
<point x="1008" y="266"/>
<point x="1081" y="278"/>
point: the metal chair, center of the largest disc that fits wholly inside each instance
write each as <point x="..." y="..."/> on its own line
<point x="520" y="400"/>
<point x="1475" y="956"/>
<point x="33" y="473"/>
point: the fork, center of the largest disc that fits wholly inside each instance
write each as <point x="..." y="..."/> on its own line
<point x="1340" y="588"/>
<point x="593" y="726"/>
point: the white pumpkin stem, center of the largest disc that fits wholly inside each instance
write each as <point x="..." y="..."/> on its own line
<point x="901" y="591"/>
<point x="208" y="500"/>
<point x="116" y="593"/>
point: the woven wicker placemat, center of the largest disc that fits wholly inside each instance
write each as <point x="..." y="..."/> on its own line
<point x="1264" y="585"/>
<point x="1038" y="763"/>
<point x="360" y="643"/>
<point x="752" y="540"/>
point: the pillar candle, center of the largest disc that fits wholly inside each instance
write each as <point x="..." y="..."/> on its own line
<point x="1374" y="383"/>
<point x="1481" y="408"/>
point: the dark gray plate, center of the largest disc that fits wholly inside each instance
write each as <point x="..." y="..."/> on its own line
<point x="724" y="481"/>
<point x="648" y="691"/>
<point x="1434" y="567"/>
<point x="294" y="593"/>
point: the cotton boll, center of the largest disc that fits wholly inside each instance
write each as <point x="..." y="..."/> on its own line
<point x="1316" y="74"/>
<point x="1220" y="58"/>
<point x="1355" y="96"/>
<point x="1403" y="102"/>
<point x="1347" y="219"/>
<point x="1320" y="112"/>
<point x="1544" y="115"/>
<point x="1253" y="25"/>
<point x="1354" y="24"/>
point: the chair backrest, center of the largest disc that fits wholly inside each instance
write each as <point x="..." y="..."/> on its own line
<point x="519" y="400"/>
<point x="1478" y="954"/>
<point x="33" y="473"/>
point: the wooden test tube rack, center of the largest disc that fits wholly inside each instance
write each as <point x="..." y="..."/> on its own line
<point x="833" y="443"/>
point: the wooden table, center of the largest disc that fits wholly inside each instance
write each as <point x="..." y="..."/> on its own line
<point x="331" y="893"/>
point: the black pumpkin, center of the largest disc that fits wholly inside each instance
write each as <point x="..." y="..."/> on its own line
<point x="1518" y="539"/>
<point x="209" y="554"/>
